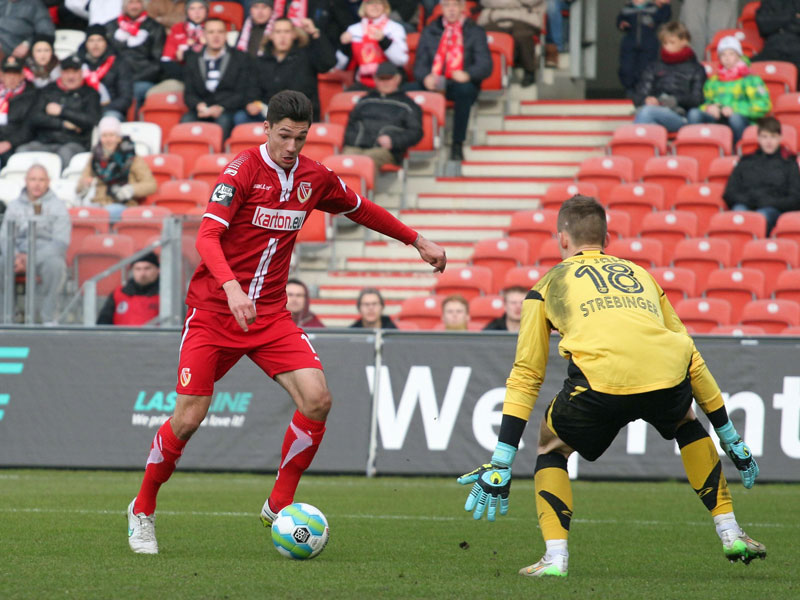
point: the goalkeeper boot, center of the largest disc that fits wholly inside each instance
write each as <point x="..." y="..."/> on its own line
<point x="267" y="515"/>
<point x="142" y="532"/>
<point x="740" y="546"/>
<point x="548" y="566"/>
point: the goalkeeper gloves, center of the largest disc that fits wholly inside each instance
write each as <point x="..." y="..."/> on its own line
<point x="491" y="484"/>
<point x="733" y="445"/>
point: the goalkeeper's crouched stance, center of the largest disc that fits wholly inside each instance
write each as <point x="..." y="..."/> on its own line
<point x="629" y="358"/>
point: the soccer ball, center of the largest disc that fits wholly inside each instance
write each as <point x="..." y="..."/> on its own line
<point x="300" y="531"/>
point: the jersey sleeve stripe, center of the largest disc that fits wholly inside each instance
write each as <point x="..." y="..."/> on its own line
<point x="355" y="208"/>
<point x="218" y="219"/>
<point x="533" y="295"/>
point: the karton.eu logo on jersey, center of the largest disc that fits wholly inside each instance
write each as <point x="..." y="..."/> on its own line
<point x="282" y="220"/>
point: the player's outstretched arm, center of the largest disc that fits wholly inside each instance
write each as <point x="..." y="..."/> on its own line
<point x="432" y="253"/>
<point x="242" y="307"/>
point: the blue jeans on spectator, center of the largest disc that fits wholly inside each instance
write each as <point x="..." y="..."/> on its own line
<point x="140" y="91"/>
<point x="738" y="123"/>
<point x="242" y="116"/>
<point x="660" y="115"/>
<point x="464" y="96"/>
<point x="225" y="120"/>
<point x="555" y="24"/>
<point x="770" y="213"/>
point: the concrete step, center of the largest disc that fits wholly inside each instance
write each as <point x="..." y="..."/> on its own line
<point x="461" y="234"/>
<point x="455" y="218"/>
<point x="604" y="108"/>
<point x="389" y="292"/>
<point x="478" y="202"/>
<point x="522" y="169"/>
<point x="529" y="153"/>
<point x="558" y="124"/>
<point x="378" y="279"/>
<point x="561" y="139"/>
<point x="501" y="186"/>
<point x="459" y="251"/>
<point x="399" y="265"/>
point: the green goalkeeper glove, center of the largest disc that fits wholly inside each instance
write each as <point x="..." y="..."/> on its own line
<point x="491" y="484"/>
<point x="733" y="445"/>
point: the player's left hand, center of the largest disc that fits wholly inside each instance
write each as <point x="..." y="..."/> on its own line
<point x="491" y="486"/>
<point x="242" y="307"/>
<point x="432" y="253"/>
<point x="733" y="445"/>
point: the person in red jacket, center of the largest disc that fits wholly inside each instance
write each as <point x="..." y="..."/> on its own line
<point x="136" y="302"/>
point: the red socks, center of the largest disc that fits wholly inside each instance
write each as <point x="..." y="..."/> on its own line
<point x="299" y="447"/>
<point x="165" y="451"/>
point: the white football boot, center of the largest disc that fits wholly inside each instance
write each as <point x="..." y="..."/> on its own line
<point x="141" y="532"/>
<point x="555" y="566"/>
<point x="738" y="546"/>
<point x="267" y="516"/>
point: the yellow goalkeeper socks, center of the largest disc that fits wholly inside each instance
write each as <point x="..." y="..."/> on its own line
<point x="703" y="467"/>
<point x="553" y="496"/>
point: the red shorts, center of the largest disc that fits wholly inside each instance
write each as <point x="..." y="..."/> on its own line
<point x="213" y="342"/>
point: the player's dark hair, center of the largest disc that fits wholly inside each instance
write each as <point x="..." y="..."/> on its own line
<point x="365" y="292"/>
<point x="584" y="219"/>
<point x="769" y="124"/>
<point x="291" y="105"/>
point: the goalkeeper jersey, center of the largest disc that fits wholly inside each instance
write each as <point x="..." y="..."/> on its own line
<point x="616" y="325"/>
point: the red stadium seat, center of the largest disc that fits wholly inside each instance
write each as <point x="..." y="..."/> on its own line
<point x="524" y="277"/>
<point x="141" y="223"/>
<point x="433" y="107"/>
<point x="618" y="223"/>
<point x="317" y="228"/>
<point x="671" y="172"/>
<point x="747" y="20"/>
<point x="605" y="172"/>
<point x="499" y="255"/>
<point x="705" y="143"/>
<point x="773" y="315"/>
<point x="232" y="13"/>
<point x="702" y="199"/>
<point x="677" y="283"/>
<point x="786" y="109"/>
<point x="501" y="47"/>
<point x="793" y="331"/>
<point x="749" y="46"/>
<point x="788" y="226"/>
<point x="644" y="252"/>
<point x="771" y="257"/>
<point x="549" y="254"/>
<point x="181" y="196"/>
<point x="788" y="286"/>
<point x="323" y="140"/>
<point x="639" y="143"/>
<point x="701" y="256"/>
<point x="99" y="252"/>
<point x="701" y="315"/>
<point x="737" y="286"/>
<point x="780" y="77"/>
<point x="424" y="311"/>
<point x="208" y="167"/>
<point x="467" y="281"/>
<point x="165" y="167"/>
<point x="669" y="227"/>
<point x="737" y="330"/>
<point x="405" y="325"/>
<point x="556" y="193"/>
<point x="738" y="227"/>
<point x="245" y="136"/>
<point x="191" y="140"/>
<point x="720" y="169"/>
<point x="412" y="41"/>
<point x="331" y="83"/>
<point x="86" y="220"/>
<point x="164" y="109"/>
<point x="749" y="142"/>
<point x="636" y="199"/>
<point x="357" y="171"/>
<point x="533" y="226"/>
<point x="340" y="106"/>
<point x="483" y="309"/>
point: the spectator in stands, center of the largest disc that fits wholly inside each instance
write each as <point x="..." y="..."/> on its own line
<point x="371" y="41"/>
<point x="117" y="176"/>
<point x="184" y="36"/>
<point x="106" y="73"/>
<point x="555" y="38"/>
<point x="168" y="12"/>
<point x="405" y="12"/>
<point x="53" y="233"/>
<point x="384" y="123"/>
<point x="370" y="305"/>
<point x="97" y="12"/>
<point x="297" y="303"/>
<point x="779" y="24"/>
<point x="704" y="18"/>
<point x="671" y="85"/>
<point x="42" y="65"/>
<point x="17" y="97"/>
<point x="734" y="96"/>
<point x="20" y="22"/>
<point x="292" y="61"/>
<point x="639" y="20"/>
<point x="297" y="10"/>
<point x="522" y="19"/>
<point x="767" y="180"/>
<point x="139" y="39"/>
<point x="455" y="313"/>
<point x="453" y="57"/>
<point x="64" y="114"/>
<point x="136" y="302"/>
<point x="512" y="302"/>
<point x="216" y="79"/>
<point x="342" y="15"/>
<point x="254" y="36"/>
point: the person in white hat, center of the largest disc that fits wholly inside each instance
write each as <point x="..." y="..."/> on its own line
<point x="734" y="96"/>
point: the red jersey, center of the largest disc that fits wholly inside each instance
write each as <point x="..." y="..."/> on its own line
<point x="252" y="220"/>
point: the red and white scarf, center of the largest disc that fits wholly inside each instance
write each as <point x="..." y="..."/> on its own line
<point x="298" y="10"/>
<point x="130" y="30"/>
<point x="739" y="70"/>
<point x="194" y="35"/>
<point x="5" y="100"/>
<point x="93" y="78"/>
<point x="450" y="53"/>
<point x="367" y="52"/>
<point x="244" y="37"/>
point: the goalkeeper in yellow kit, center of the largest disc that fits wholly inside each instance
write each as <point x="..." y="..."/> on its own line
<point x="629" y="358"/>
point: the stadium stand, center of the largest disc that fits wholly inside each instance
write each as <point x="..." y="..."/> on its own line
<point x="677" y="282"/>
<point x="534" y="227"/>
<point x="704" y="200"/>
<point x="701" y="315"/>
<point x="483" y="309"/>
<point x="190" y="140"/>
<point x="164" y="167"/>
<point x="701" y="256"/>
<point x="558" y="192"/>
<point x="669" y="227"/>
<point x="468" y="281"/>
<point x="639" y="142"/>
<point x="424" y="311"/>
<point x="647" y="253"/>
<point x="772" y="315"/>
<point x="736" y="285"/>
<point x="637" y="200"/>
<point x="605" y="172"/>
<point x="671" y="172"/>
<point x="720" y="169"/>
<point x="705" y="143"/>
<point x="499" y="256"/>
<point x="738" y="228"/>
<point x="787" y="286"/>
<point x="181" y="195"/>
<point x="780" y="77"/>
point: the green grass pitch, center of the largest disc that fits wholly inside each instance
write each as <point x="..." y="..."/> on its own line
<point x="62" y="535"/>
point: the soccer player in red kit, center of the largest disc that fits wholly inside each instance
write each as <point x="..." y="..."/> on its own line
<point x="237" y="302"/>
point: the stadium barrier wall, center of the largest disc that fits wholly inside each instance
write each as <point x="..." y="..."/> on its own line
<point x="94" y="399"/>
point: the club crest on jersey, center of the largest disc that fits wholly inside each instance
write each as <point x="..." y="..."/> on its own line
<point x="282" y="220"/>
<point x="186" y="376"/>
<point x="304" y="191"/>
<point x="223" y="194"/>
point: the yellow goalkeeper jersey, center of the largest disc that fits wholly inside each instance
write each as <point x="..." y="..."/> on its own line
<point x="616" y="325"/>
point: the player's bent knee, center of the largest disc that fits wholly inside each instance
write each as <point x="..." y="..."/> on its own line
<point x="317" y="405"/>
<point x="690" y="432"/>
<point x="189" y="414"/>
